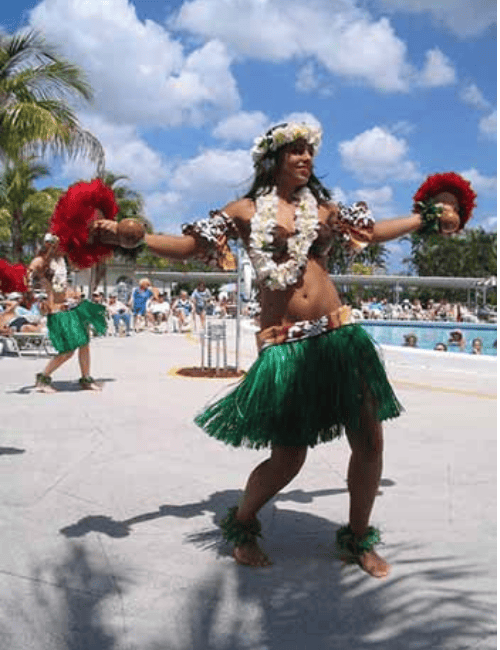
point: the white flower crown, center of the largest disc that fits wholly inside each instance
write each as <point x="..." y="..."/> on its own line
<point x="283" y="134"/>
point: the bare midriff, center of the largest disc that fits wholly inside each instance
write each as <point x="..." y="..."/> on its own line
<point x="311" y="298"/>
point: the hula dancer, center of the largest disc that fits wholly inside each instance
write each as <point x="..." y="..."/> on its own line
<point x="69" y="319"/>
<point x="317" y="374"/>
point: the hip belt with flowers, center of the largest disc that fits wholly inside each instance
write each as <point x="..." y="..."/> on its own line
<point x="303" y="329"/>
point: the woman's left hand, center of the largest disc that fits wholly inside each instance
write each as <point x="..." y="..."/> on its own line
<point x="449" y="220"/>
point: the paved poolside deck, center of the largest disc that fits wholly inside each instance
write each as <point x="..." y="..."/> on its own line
<point x="108" y="502"/>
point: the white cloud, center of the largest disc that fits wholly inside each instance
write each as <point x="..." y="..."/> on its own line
<point x="380" y="196"/>
<point x="488" y="125"/>
<point x="307" y="78"/>
<point x="376" y="155"/>
<point x="308" y="118"/>
<point x="214" y="175"/>
<point x="490" y="224"/>
<point x="472" y="96"/>
<point x="341" y="37"/>
<point x="242" y="127"/>
<point x="463" y="17"/>
<point x="481" y="184"/>
<point x="438" y="70"/>
<point x="139" y="72"/>
<point x="126" y="154"/>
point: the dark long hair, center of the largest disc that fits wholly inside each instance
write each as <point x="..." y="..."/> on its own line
<point x="265" y="179"/>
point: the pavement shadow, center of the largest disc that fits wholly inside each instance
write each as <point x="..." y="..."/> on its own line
<point x="11" y="451"/>
<point x="306" y="601"/>
<point x="60" y="386"/>
<point x="217" y="504"/>
<point x="61" y="607"/>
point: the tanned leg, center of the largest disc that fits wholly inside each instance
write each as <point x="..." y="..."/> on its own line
<point x="51" y="366"/>
<point x="363" y="479"/>
<point x="84" y="360"/>
<point x="266" y="480"/>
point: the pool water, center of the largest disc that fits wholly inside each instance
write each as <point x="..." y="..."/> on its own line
<point x="429" y="333"/>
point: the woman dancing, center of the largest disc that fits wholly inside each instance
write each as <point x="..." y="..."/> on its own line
<point x="316" y="374"/>
<point x="68" y="319"/>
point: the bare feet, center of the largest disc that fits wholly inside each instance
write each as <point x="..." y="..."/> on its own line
<point x="87" y="383"/>
<point x="250" y="554"/>
<point x="44" y="384"/>
<point x="45" y="388"/>
<point x="374" y="565"/>
<point x="370" y="562"/>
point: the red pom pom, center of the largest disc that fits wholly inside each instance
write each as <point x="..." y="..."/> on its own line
<point x="72" y="216"/>
<point x="13" y="277"/>
<point x="456" y="185"/>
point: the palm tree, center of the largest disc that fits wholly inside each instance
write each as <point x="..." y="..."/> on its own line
<point x="36" y="86"/>
<point x="24" y="211"/>
<point x="129" y="201"/>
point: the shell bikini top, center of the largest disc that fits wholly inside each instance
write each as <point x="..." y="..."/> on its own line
<point x="278" y="256"/>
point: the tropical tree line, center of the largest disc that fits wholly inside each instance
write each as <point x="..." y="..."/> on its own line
<point x="38" y="94"/>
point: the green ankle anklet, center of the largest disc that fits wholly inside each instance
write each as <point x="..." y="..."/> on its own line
<point x="236" y="532"/>
<point x="45" y="380"/>
<point x="356" y="546"/>
<point x="86" y="380"/>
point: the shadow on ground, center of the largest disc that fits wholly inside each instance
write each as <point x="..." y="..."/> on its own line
<point x="308" y="599"/>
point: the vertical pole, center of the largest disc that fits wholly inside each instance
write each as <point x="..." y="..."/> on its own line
<point x="238" y="308"/>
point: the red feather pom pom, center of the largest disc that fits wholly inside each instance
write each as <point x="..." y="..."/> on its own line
<point x="72" y="216"/>
<point x="13" y="277"/>
<point x="456" y="185"/>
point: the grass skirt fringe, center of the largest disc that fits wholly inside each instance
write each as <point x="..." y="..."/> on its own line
<point x="69" y="330"/>
<point x="303" y="392"/>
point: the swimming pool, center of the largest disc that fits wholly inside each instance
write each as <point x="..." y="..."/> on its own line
<point x="429" y="333"/>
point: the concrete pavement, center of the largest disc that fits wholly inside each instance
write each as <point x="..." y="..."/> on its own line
<point x="108" y="502"/>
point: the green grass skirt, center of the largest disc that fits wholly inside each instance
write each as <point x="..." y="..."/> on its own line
<point x="69" y="330"/>
<point x="304" y="392"/>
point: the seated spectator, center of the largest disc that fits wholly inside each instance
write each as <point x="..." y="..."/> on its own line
<point x="181" y="311"/>
<point x="22" y="314"/>
<point x="119" y="313"/>
<point x="158" y="312"/>
<point x="441" y="347"/>
<point x="477" y="346"/>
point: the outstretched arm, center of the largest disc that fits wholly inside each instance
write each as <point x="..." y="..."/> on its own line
<point x="394" y="228"/>
<point x="175" y="247"/>
<point x="449" y="223"/>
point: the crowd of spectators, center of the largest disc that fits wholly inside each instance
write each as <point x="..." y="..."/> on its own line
<point x="147" y="308"/>
<point x="441" y="310"/>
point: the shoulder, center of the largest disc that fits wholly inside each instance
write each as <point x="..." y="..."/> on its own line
<point x="240" y="210"/>
<point x="37" y="263"/>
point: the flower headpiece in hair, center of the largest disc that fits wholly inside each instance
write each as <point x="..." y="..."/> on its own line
<point x="283" y="134"/>
<point x="456" y="185"/>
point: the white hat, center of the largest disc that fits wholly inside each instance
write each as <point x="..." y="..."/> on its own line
<point x="49" y="238"/>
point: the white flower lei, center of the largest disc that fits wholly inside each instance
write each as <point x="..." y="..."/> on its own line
<point x="281" y="276"/>
<point x="60" y="278"/>
<point x="281" y="135"/>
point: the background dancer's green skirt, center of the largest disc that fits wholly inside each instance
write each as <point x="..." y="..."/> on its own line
<point x="304" y="392"/>
<point x="69" y="330"/>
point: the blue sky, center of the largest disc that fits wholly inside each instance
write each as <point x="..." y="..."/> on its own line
<point x="402" y="88"/>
